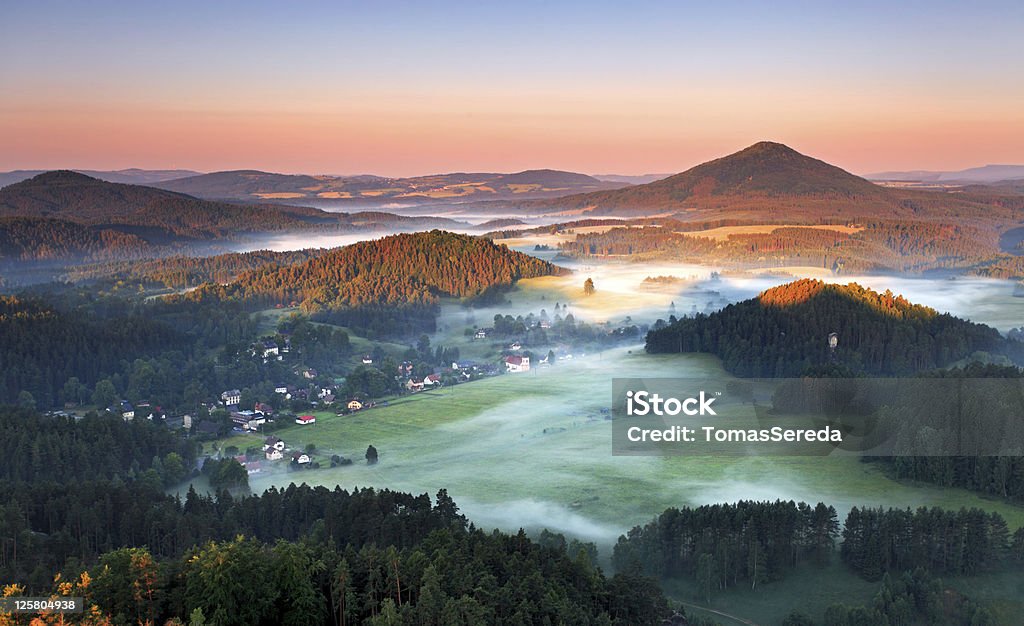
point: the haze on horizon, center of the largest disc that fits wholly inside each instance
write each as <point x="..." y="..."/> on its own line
<point x="406" y="89"/>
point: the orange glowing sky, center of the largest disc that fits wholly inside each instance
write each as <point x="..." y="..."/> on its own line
<point x="401" y="90"/>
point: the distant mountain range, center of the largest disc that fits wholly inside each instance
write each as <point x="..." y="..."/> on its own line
<point x="640" y="179"/>
<point x="254" y="185"/>
<point x="132" y="176"/>
<point x="983" y="175"/>
<point x="67" y="215"/>
<point x="771" y="181"/>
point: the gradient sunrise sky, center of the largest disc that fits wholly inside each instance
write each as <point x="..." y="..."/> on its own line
<point x="404" y="88"/>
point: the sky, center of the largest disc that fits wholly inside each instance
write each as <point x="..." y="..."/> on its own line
<point x="407" y="88"/>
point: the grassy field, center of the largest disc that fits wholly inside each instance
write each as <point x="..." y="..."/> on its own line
<point x="811" y="589"/>
<point x="533" y="450"/>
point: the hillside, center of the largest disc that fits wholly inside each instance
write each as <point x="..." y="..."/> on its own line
<point x="134" y="176"/>
<point x="764" y="175"/>
<point x="68" y="216"/>
<point x="364" y="284"/>
<point x="784" y="332"/>
<point x="985" y="174"/>
<point x="42" y="239"/>
<point x="154" y="214"/>
<point x="239" y="184"/>
<point x="772" y="183"/>
<point x="254" y="185"/>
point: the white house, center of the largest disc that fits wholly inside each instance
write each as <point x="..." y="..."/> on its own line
<point x="517" y="363"/>
<point x="231" y="397"/>
<point x="269" y="348"/>
<point x="431" y="380"/>
<point x="354" y="405"/>
<point x="273" y="454"/>
<point x="281" y="389"/>
<point x="127" y="411"/>
<point x="305" y="420"/>
<point x="300" y="458"/>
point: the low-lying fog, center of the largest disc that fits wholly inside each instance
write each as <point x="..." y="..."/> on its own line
<point x="533" y="450"/>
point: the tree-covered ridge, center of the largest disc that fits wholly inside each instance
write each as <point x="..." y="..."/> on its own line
<point x="65" y="450"/>
<point x="309" y="555"/>
<point x="187" y="271"/>
<point x="405" y="269"/>
<point x="874" y="245"/>
<point x="724" y="545"/>
<point x="40" y="239"/>
<point x="785" y="331"/>
<point x="85" y="200"/>
<point x="800" y="291"/>
<point x="41" y="347"/>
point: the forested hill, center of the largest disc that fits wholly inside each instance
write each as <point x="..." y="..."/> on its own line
<point x="154" y="213"/>
<point x="402" y="271"/>
<point x="413" y="268"/>
<point x="785" y="330"/>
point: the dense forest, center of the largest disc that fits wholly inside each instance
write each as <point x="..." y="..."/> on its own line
<point x="180" y="272"/>
<point x="64" y="450"/>
<point x="384" y="285"/>
<point x="915" y="598"/>
<point x="785" y="330"/>
<point x="43" y="239"/>
<point x="719" y="546"/>
<point x="874" y="245"/>
<point x="968" y="541"/>
<point x="723" y="545"/>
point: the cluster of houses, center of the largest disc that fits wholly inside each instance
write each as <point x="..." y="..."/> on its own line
<point x="274" y="449"/>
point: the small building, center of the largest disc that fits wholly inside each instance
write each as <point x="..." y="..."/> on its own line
<point x="273" y="454"/>
<point x="269" y="348"/>
<point x="481" y="333"/>
<point x="231" y="397"/>
<point x="264" y="409"/>
<point x="414" y="384"/>
<point x="354" y="405"/>
<point x="127" y="411"/>
<point x="304" y="420"/>
<point x="516" y="346"/>
<point x="281" y="389"/>
<point x="301" y="458"/>
<point x="367" y="359"/>
<point x="309" y="374"/>
<point x="273" y="442"/>
<point x="431" y="380"/>
<point x="517" y="363"/>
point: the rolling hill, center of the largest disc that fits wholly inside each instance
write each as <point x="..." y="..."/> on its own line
<point x="783" y="332"/>
<point x="154" y="214"/>
<point x="772" y="183"/>
<point x="71" y="216"/>
<point x="392" y="284"/>
<point x="133" y="175"/>
<point x="975" y="175"/>
<point x="254" y="185"/>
